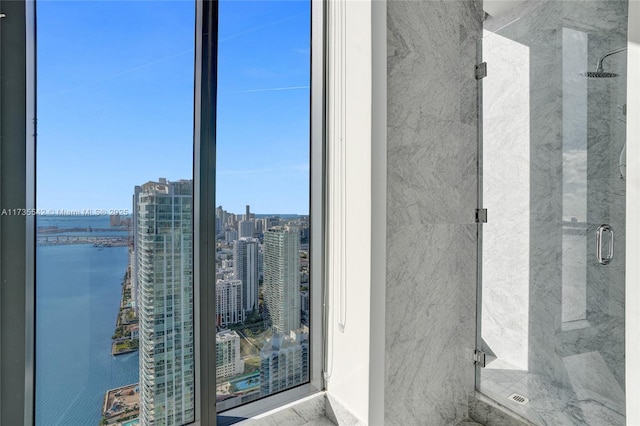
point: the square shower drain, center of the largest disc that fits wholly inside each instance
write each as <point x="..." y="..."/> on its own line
<point x="518" y="398"/>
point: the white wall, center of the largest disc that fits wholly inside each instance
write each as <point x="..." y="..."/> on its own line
<point x="379" y="212"/>
<point x="350" y="206"/>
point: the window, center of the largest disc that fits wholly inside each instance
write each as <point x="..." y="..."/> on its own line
<point x="142" y="353"/>
<point x="114" y="269"/>
<point x="263" y="192"/>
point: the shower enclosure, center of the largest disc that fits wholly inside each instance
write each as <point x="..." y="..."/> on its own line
<point x="552" y="270"/>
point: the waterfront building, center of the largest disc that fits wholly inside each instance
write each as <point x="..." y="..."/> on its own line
<point x="229" y="308"/>
<point x="164" y="244"/>
<point x="229" y="361"/>
<point x="281" y="278"/>
<point x="284" y="361"/>
<point x="245" y="268"/>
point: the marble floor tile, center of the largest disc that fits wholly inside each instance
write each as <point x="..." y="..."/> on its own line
<point x="321" y="421"/>
<point x="488" y="385"/>
<point x="581" y="401"/>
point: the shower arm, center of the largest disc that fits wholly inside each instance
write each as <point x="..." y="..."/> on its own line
<point x="599" y="67"/>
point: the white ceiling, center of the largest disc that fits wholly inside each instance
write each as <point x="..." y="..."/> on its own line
<point x="496" y="7"/>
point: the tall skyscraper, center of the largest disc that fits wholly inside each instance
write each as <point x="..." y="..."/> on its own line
<point x="164" y="244"/>
<point x="281" y="278"/>
<point x="245" y="269"/>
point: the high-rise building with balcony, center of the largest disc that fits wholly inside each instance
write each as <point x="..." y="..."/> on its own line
<point x="164" y="252"/>
<point x="284" y="361"/>
<point x="229" y="308"/>
<point x="229" y="361"/>
<point x="282" y="278"/>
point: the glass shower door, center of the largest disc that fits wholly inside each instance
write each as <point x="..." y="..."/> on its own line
<point x="552" y="280"/>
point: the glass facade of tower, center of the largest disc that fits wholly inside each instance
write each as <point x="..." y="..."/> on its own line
<point x="165" y="301"/>
<point x="282" y="278"/>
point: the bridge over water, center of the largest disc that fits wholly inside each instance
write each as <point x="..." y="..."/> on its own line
<point x="98" y="241"/>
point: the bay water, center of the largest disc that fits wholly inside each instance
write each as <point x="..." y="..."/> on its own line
<point x="78" y="292"/>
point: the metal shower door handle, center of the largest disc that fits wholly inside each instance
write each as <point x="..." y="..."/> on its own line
<point x="604" y="260"/>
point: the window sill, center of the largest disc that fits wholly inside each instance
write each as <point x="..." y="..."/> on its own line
<point x="317" y="409"/>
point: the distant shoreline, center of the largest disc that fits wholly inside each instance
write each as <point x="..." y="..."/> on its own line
<point x="58" y="230"/>
<point x="125" y="336"/>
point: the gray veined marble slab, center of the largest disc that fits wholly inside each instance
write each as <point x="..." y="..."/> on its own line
<point x="431" y="199"/>
<point x="424" y="77"/>
<point x="321" y="409"/>
<point x="432" y="174"/>
<point x="469" y="423"/>
<point x="429" y="342"/>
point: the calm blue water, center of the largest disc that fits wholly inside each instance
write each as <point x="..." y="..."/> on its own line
<point x="77" y="298"/>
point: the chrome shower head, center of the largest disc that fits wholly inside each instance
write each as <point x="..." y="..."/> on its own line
<point x="600" y="72"/>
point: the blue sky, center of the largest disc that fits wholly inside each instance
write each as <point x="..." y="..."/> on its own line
<point x="115" y="102"/>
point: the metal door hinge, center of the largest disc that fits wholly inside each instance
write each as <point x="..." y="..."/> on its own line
<point x="481" y="215"/>
<point x="479" y="358"/>
<point x="481" y="71"/>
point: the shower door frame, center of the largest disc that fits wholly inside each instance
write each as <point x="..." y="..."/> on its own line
<point x="479" y="207"/>
<point x="632" y="278"/>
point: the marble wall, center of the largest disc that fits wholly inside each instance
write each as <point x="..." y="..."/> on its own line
<point x="431" y="248"/>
